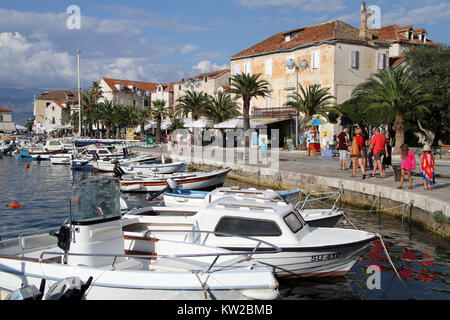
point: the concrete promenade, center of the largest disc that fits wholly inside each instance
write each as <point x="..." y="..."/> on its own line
<point x="295" y="169"/>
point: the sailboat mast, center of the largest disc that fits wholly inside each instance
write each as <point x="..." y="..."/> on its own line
<point x="79" y="95"/>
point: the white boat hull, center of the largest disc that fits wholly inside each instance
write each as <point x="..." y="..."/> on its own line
<point x="197" y="181"/>
<point x="132" y="284"/>
<point x="61" y="160"/>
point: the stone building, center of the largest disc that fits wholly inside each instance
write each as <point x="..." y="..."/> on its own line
<point x="53" y="107"/>
<point x="6" y="123"/>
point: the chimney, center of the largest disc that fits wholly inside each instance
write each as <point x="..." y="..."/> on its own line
<point x="366" y="23"/>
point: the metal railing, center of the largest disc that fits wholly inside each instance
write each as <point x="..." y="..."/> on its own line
<point x="247" y="254"/>
<point x="318" y="197"/>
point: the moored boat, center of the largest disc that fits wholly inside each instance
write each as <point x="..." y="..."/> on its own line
<point x="314" y="217"/>
<point x="130" y="267"/>
<point x="306" y="251"/>
<point x="189" y="180"/>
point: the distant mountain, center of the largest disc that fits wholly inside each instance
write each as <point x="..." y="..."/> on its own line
<point x="20" y="102"/>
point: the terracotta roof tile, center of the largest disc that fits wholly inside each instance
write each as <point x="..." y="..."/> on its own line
<point x="394" y="33"/>
<point x="59" y="95"/>
<point x="4" y="110"/>
<point x="334" y="29"/>
<point x="143" y="86"/>
<point x="213" y="74"/>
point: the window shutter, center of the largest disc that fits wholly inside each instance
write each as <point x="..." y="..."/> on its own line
<point x="268" y="68"/>
<point x="381" y="61"/>
<point x="315" y="59"/>
<point x="354" y="59"/>
<point x="247" y="68"/>
<point x="237" y="69"/>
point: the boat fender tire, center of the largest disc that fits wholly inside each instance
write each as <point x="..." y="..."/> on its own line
<point x="64" y="238"/>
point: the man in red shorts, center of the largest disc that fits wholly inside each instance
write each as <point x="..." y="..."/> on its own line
<point x="379" y="147"/>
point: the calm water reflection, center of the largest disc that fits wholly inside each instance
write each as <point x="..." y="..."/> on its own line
<point x="422" y="259"/>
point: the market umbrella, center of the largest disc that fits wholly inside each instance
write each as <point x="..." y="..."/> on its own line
<point x="315" y="122"/>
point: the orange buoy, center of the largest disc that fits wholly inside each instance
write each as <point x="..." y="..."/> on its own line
<point x="27" y="166"/>
<point x="15" y="205"/>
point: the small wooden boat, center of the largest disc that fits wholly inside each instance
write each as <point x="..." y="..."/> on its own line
<point x="189" y="180"/>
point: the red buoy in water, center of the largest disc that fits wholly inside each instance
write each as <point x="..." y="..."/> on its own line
<point x="15" y="205"/>
<point x="27" y="166"/>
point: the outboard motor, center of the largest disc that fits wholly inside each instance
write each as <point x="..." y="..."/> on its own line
<point x="68" y="289"/>
<point x="118" y="171"/>
<point x="27" y="293"/>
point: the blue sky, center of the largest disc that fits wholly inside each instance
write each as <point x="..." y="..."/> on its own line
<point x="167" y="40"/>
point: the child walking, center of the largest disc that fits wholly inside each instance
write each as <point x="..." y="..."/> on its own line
<point x="408" y="164"/>
<point x="427" y="168"/>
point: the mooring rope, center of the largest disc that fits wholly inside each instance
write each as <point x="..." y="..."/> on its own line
<point x="395" y="269"/>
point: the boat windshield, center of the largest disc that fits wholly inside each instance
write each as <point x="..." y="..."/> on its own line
<point x="95" y="201"/>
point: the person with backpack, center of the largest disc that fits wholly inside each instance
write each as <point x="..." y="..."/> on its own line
<point x="357" y="152"/>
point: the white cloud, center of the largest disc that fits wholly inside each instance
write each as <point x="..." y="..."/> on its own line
<point x="38" y="51"/>
<point x="416" y="16"/>
<point x="187" y="48"/>
<point x="306" y="5"/>
<point x="207" y="66"/>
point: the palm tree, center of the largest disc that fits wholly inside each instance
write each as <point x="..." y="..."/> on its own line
<point x="221" y="107"/>
<point x="141" y="116"/>
<point x="193" y="103"/>
<point x="159" y="111"/>
<point x="117" y="118"/>
<point x="88" y="105"/>
<point x="96" y="90"/>
<point x="247" y="86"/>
<point x="393" y="92"/>
<point x="176" y="123"/>
<point x="312" y="100"/>
<point x="106" y="109"/>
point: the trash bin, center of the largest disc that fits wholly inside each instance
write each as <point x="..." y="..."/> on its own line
<point x="397" y="173"/>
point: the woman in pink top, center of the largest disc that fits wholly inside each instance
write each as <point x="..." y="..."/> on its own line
<point x="408" y="164"/>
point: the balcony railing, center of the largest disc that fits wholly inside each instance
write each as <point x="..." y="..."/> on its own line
<point x="283" y="112"/>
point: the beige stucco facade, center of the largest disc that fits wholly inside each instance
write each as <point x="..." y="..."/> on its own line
<point x="330" y="65"/>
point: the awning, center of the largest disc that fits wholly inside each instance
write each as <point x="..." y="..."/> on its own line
<point x="238" y="123"/>
<point x="267" y="121"/>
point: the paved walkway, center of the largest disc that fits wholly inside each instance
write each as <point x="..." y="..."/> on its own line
<point x="298" y="163"/>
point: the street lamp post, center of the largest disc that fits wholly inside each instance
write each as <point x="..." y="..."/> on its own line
<point x="291" y="64"/>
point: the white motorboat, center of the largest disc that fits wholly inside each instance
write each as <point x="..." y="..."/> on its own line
<point x="306" y="251"/>
<point x="314" y="217"/>
<point x="132" y="266"/>
<point x="61" y="159"/>
<point x="188" y="180"/>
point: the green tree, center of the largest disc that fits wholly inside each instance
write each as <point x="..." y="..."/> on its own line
<point x="192" y="102"/>
<point x="311" y="100"/>
<point x="106" y="110"/>
<point x="391" y="91"/>
<point x="159" y="111"/>
<point x="246" y="87"/>
<point x="221" y="107"/>
<point x="429" y="66"/>
<point x="142" y="115"/>
<point x="118" y="118"/>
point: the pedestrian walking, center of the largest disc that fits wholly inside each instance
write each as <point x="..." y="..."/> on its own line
<point x="356" y="152"/>
<point x="378" y="146"/>
<point x="427" y="168"/>
<point x="343" y="148"/>
<point x="408" y="165"/>
<point x="387" y="160"/>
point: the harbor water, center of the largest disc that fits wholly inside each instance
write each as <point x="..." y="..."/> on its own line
<point x="421" y="258"/>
